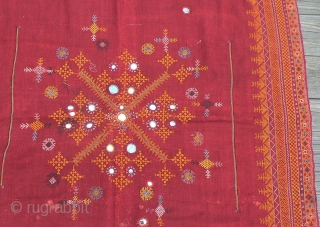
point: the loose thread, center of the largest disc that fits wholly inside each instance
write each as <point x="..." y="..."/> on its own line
<point x="233" y="130"/>
<point x="12" y="105"/>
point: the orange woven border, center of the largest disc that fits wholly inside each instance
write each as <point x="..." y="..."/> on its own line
<point x="292" y="122"/>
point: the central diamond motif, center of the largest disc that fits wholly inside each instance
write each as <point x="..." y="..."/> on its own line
<point x="120" y="97"/>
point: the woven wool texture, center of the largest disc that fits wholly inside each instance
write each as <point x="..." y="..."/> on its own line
<point x="154" y="113"/>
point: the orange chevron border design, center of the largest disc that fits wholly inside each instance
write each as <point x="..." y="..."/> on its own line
<point x="262" y="121"/>
<point x="292" y="122"/>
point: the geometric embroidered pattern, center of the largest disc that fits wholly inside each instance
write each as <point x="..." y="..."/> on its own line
<point x="122" y="103"/>
<point x="80" y="100"/>
<point x="181" y="74"/>
<point x="165" y="175"/>
<point x="73" y="177"/>
<point x="163" y="115"/>
<point x="94" y="28"/>
<point x="121" y="181"/>
<point x="102" y="161"/>
<point x="36" y="125"/>
<point x="140" y="161"/>
<point x="65" y="71"/>
<point x="59" y="116"/>
<point x="58" y="162"/>
<point x="180" y="159"/>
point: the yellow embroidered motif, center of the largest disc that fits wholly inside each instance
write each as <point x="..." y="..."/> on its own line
<point x="78" y="135"/>
<point x="124" y="79"/>
<point x="73" y="177"/>
<point x="139" y="79"/>
<point x="80" y="60"/>
<point x="141" y="161"/>
<point x="102" y="161"/>
<point x="51" y="92"/>
<point x="80" y="100"/>
<point x="124" y="97"/>
<point x="167" y="61"/>
<point x="122" y="139"/>
<point x="80" y="117"/>
<point x="160" y="221"/>
<point x="165" y="99"/>
<point x="180" y="159"/>
<point x="126" y="58"/>
<point x="65" y="71"/>
<point x="184" y="116"/>
<point x="147" y="48"/>
<point x="165" y="175"/>
<point x="59" y="116"/>
<point x="94" y="28"/>
<point x="163" y="114"/>
<point x="99" y="117"/>
<point x="146" y="193"/>
<point x="182" y="74"/>
<point x="144" y="114"/>
<point x="121" y="181"/>
<point x="58" y="162"/>
<point x="40" y="61"/>
<point x="104" y="80"/>
<point x="164" y="132"/>
<point x="196" y="103"/>
<point x="121" y="160"/>
<point x="36" y="125"/>
<point x="207" y="164"/>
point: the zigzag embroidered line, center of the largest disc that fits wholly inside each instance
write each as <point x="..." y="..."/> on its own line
<point x="92" y="146"/>
<point x="155" y="84"/>
<point x="147" y="142"/>
<point x="262" y="108"/>
<point x="84" y="76"/>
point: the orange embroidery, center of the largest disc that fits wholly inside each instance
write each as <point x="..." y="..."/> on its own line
<point x="65" y="71"/>
<point x="58" y="162"/>
<point x="102" y="160"/>
<point x="180" y="159"/>
<point x="165" y="175"/>
<point x="73" y="177"/>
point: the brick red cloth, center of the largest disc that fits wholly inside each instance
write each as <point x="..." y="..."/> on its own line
<point x="155" y="113"/>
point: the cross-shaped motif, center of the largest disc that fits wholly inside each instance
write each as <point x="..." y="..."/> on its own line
<point x="207" y="104"/>
<point x="39" y="70"/>
<point x="75" y="203"/>
<point x="35" y="126"/>
<point x="94" y="28"/>
<point x="207" y="164"/>
<point x="165" y="40"/>
<point x="160" y="210"/>
<point x="197" y="68"/>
